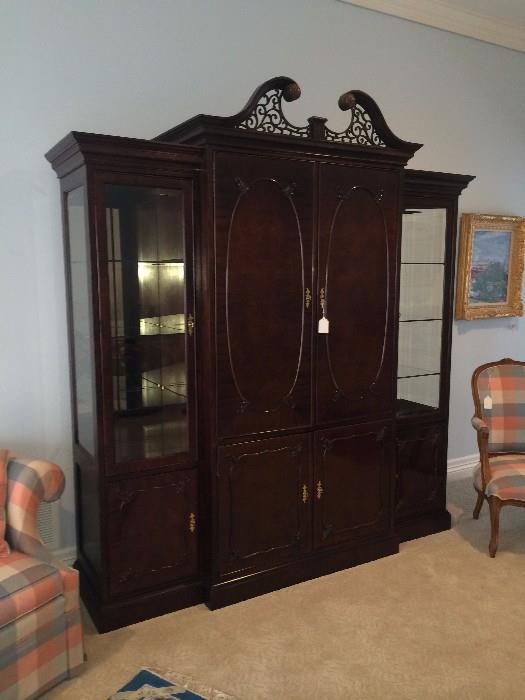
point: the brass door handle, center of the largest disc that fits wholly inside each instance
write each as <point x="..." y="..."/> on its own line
<point x="319" y="490"/>
<point x="307" y="298"/>
<point x="305" y="493"/>
<point x="322" y="300"/>
<point x="193" y="523"/>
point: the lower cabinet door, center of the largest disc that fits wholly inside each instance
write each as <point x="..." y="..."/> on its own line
<point x="152" y="530"/>
<point x="353" y="473"/>
<point x="264" y="508"/>
<point x="420" y="470"/>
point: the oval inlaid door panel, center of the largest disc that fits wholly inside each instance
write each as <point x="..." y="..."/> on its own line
<point x="265" y="328"/>
<point x="264" y="295"/>
<point x="356" y="304"/>
<point x="356" y="278"/>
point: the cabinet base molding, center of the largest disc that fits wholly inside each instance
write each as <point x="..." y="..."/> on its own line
<point x="229" y="592"/>
<point x="423" y="525"/>
<point x="143" y="606"/>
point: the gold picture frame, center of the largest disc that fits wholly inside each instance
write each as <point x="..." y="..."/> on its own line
<point x="490" y="266"/>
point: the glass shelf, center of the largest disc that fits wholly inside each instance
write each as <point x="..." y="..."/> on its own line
<point x="404" y="372"/>
<point x="419" y="320"/>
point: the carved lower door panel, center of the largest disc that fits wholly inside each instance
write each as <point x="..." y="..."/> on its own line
<point x="352" y="483"/>
<point x="264" y="503"/>
<point x="358" y="215"/>
<point x="421" y="470"/>
<point x="264" y="214"/>
<point x="152" y="530"/>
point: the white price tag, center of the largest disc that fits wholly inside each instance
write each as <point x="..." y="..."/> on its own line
<point x="487" y="402"/>
<point x="323" y="325"/>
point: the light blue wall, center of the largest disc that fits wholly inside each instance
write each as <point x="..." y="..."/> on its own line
<point x="137" y="67"/>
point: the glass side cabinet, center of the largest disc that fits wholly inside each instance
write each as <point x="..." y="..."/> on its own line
<point x="426" y="287"/>
<point x="421" y="309"/>
<point x="130" y="210"/>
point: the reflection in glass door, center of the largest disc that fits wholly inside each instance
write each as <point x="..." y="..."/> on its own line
<point x="146" y="265"/>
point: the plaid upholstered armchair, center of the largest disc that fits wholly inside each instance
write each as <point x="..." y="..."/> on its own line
<point x="40" y="628"/>
<point x="498" y="389"/>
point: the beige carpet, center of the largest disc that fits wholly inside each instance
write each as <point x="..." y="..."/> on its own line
<point x="439" y="620"/>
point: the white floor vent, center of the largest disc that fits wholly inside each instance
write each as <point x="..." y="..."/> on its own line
<point x="48" y="522"/>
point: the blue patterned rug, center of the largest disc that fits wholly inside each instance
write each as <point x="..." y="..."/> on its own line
<point x="150" y="685"/>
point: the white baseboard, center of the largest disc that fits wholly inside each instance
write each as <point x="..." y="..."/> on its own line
<point x="461" y="467"/>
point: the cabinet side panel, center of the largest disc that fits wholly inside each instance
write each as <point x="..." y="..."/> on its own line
<point x="78" y="264"/>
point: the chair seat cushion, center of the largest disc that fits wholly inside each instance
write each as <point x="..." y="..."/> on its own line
<point x="25" y="585"/>
<point x="508" y="477"/>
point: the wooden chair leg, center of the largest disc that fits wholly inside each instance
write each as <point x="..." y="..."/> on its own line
<point x="494" y="507"/>
<point x="478" y="505"/>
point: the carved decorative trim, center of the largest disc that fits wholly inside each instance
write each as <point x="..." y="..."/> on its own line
<point x="367" y="127"/>
<point x="360" y="130"/>
<point x="264" y="114"/>
<point x="267" y="113"/>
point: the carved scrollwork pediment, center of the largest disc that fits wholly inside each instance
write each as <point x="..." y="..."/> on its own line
<point x="367" y="126"/>
<point x="264" y="114"/>
<point x="264" y="110"/>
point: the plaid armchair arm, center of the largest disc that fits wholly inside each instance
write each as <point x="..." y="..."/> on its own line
<point x="30" y="481"/>
<point x="483" y="432"/>
<point x="479" y="425"/>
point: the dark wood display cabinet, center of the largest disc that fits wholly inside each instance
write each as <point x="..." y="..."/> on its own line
<point x="427" y="263"/>
<point x="241" y="292"/>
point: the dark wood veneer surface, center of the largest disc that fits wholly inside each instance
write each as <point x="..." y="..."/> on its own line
<point x="298" y="461"/>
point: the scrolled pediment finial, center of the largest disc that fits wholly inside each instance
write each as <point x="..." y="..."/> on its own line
<point x="264" y="111"/>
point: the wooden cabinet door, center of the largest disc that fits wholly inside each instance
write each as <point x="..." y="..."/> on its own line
<point x="264" y="503"/>
<point x="421" y="470"/>
<point x="358" y="216"/>
<point x="152" y="530"/>
<point x="145" y="239"/>
<point x="263" y="215"/>
<point x="352" y="483"/>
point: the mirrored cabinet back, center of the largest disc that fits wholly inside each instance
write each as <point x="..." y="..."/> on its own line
<point x="260" y="323"/>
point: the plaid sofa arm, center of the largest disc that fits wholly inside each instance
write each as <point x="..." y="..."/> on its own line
<point x="29" y="482"/>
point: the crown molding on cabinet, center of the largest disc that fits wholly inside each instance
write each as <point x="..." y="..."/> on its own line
<point x="441" y="15"/>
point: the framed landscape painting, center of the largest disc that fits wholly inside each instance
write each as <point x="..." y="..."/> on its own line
<point x="490" y="266"/>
